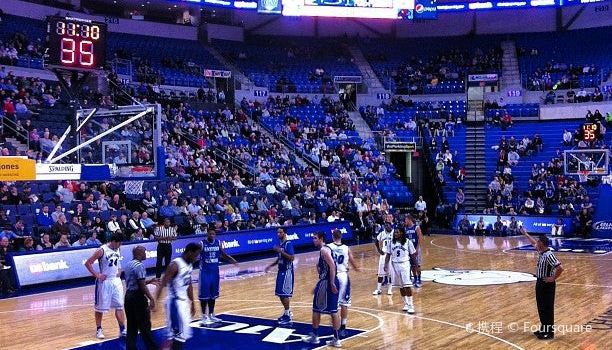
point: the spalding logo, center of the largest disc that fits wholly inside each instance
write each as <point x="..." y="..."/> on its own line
<point x="603" y="225"/>
<point x="419" y="8"/>
<point x="475" y="277"/>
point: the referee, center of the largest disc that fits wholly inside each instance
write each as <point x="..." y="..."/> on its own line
<point x="136" y="306"/>
<point x="548" y="270"/>
<point x="164" y="235"/>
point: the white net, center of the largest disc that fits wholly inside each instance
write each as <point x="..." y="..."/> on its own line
<point x="133" y="187"/>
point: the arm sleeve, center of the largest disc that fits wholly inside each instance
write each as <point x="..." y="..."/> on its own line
<point x="140" y="272"/>
<point x="552" y="260"/>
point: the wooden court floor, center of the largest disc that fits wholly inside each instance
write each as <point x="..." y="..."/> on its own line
<point x="500" y="315"/>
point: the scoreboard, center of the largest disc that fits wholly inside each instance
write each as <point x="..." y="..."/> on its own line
<point x="76" y="43"/>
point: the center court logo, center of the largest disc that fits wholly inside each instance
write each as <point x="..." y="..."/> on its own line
<point x="46" y="267"/>
<point x="475" y="277"/>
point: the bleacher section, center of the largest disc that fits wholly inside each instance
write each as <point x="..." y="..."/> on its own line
<point x="551" y="133"/>
<point x="457" y="147"/>
<point x="435" y="57"/>
<point x="526" y="110"/>
<point x="313" y="116"/>
<point x="266" y="61"/>
<point x="193" y="57"/>
<point x="156" y="50"/>
<point x="34" y="30"/>
<point x="575" y="47"/>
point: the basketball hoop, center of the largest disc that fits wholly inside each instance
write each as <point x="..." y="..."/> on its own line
<point x="584" y="175"/>
<point x="133" y="187"/>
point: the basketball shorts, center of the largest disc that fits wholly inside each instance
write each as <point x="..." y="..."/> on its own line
<point x="324" y="301"/>
<point x="108" y="294"/>
<point x="344" y="289"/>
<point x="284" y="284"/>
<point x="178" y="318"/>
<point x="209" y="284"/>
<point x="402" y="274"/>
<point x="381" y="267"/>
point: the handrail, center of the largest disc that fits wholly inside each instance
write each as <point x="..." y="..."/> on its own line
<point x="11" y="125"/>
<point x="285" y="141"/>
<point x="430" y="166"/>
<point x="222" y="155"/>
<point x="219" y="154"/>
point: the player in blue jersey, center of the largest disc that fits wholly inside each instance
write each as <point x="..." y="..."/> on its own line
<point x="325" y="300"/>
<point x="209" y="275"/>
<point x="284" y="279"/>
<point x="414" y="234"/>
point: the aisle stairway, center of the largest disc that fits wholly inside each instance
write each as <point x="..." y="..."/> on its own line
<point x="476" y="177"/>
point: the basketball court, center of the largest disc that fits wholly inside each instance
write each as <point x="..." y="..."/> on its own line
<point x="478" y="293"/>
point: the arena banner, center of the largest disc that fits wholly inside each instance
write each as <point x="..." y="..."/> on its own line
<point x="67" y="264"/>
<point x="17" y="169"/>
<point x="341" y="79"/>
<point x="482" y="77"/>
<point x="533" y="224"/>
<point x="214" y="73"/>
<point x="602" y="219"/>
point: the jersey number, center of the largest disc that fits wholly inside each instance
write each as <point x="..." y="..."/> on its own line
<point x="339" y="259"/>
<point x="113" y="262"/>
<point x="399" y="252"/>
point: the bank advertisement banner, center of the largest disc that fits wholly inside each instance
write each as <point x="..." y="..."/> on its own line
<point x="67" y="264"/>
<point x="602" y="220"/>
<point x="533" y="224"/>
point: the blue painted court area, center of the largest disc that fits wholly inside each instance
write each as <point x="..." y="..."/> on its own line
<point x="240" y="332"/>
<point x="577" y="245"/>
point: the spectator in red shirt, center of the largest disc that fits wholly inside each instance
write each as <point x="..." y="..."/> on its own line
<point x="8" y="108"/>
<point x="506" y="121"/>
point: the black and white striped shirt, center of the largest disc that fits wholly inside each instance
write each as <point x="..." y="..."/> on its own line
<point x="546" y="264"/>
<point x="165" y="234"/>
<point x="134" y="271"/>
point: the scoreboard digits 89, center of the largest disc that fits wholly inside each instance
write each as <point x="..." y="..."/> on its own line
<point x="76" y="43"/>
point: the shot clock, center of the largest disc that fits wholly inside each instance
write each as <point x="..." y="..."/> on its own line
<point x="76" y="43"/>
<point x="589" y="132"/>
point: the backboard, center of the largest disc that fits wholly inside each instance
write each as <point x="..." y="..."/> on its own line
<point x="581" y="162"/>
<point x="123" y="143"/>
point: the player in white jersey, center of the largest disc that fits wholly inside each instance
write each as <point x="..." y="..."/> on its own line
<point x="382" y="242"/>
<point x="109" y="288"/>
<point x="180" y="302"/>
<point x="343" y="257"/>
<point x="400" y="252"/>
